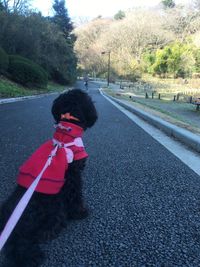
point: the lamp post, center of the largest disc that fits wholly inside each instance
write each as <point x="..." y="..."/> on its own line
<point x="108" y="77"/>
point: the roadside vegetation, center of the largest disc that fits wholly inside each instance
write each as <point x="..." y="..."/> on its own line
<point x="152" y="55"/>
<point x="180" y="113"/>
<point x="167" y="88"/>
<point x="158" y="47"/>
<point x="35" y="51"/>
<point x="162" y="42"/>
<point x="9" y="89"/>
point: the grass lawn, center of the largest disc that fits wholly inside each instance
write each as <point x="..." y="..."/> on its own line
<point x="11" y="89"/>
<point x="167" y="88"/>
<point x="179" y="113"/>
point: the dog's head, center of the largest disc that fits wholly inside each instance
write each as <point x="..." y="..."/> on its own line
<point x="78" y="104"/>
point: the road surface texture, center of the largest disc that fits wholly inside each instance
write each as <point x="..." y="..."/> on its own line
<point x="144" y="202"/>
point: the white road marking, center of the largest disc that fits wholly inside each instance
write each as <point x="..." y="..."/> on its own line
<point x="187" y="156"/>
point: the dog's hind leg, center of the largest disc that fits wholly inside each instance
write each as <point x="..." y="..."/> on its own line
<point x="72" y="191"/>
<point x="21" y="248"/>
<point x="19" y="251"/>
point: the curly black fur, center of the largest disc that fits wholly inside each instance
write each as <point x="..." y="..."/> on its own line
<point x="79" y="104"/>
<point x="46" y="215"/>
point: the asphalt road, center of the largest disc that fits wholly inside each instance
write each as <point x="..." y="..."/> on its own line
<point x="144" y="202"/>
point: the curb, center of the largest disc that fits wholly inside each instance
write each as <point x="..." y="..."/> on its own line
<point x="186" y="137"/>
<point x="12" y="100"/>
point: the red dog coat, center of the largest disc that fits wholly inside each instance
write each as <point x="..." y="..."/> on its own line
<point x="53" y="178"/>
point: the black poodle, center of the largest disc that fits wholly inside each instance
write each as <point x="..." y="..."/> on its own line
<point x="57" y="198"/>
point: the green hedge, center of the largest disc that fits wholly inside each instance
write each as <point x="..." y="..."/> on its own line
<point x="26" y="72"/>
<point x="59" y="77"/>
<point x="3" y="61"/>
<point x="28" y="61"/>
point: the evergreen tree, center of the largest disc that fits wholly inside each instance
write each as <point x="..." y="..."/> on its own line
<point x="67" y="73"/>
<point x="177" y="59"/>
<point x="168" y="3"/>
<point x="119" y="15"/>
<point x="61" y="18"/>
<point x="160" y="66"/>
<point x="2" y="8"/>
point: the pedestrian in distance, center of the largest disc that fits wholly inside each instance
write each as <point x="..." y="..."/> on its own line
<point x="86" y="79"/>
<point x="86" y="85"/>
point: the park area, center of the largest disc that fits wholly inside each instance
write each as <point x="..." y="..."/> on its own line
<point x="169" y="99"/>
<point x="135" y="202"/>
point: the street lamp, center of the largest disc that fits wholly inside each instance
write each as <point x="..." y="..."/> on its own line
<point x="108" y="77"/>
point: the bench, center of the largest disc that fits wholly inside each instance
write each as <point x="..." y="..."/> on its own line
<point x="196" y="102"/>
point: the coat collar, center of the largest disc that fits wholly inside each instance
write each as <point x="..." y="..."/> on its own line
<point x="70" y="129"/>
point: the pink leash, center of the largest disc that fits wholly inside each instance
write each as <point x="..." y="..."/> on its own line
<point x="14" y="218"/>
<point x="18" y="211"/>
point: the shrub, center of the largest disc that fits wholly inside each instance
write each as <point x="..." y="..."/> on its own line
<point x="3" y="61"/>
<point x="13" y="58"/>
<point x="26" y="72"/>
<point x="59" y="77"/>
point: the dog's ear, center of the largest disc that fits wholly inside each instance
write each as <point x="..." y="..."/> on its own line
<point x="86" y="107"/>
<point x="56" y="108"/>
<point x="62" y="104"/>
<point x="90" y="114"/>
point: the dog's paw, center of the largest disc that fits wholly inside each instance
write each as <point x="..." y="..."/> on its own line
<point x="79" y="214"/>
<point x="48" y="236"/>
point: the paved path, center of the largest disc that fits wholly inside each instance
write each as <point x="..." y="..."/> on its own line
<point x="144" y="202"/>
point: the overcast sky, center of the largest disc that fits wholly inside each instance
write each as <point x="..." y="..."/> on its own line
<point x="93" y="8"/>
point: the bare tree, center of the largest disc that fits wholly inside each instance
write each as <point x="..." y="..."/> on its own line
<point x="140" y="30"/>
<point x="182" y="21"/>
<point x="88" y="47"/>
<point x="19" y="6"/>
